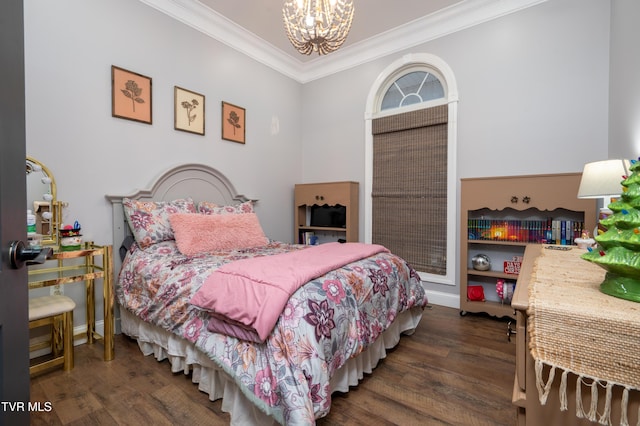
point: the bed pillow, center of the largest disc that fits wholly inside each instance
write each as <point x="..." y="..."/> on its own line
<point x="206" y="207"/>
<point x="199" y="233"/>
<point x="149" y="220"/>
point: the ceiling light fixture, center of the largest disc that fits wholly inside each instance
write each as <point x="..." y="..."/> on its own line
<point x="317" y="25"/>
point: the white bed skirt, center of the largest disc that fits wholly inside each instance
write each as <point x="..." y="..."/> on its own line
<point x="185" y="357"/>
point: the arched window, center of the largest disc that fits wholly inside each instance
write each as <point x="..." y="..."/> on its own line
<point x="410" y="165"/>
<point x="413" y="87"/>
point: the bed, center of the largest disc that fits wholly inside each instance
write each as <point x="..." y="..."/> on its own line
<point x="333" y="328"/>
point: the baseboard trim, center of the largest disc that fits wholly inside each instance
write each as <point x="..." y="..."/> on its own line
<point x="443" y="299"/>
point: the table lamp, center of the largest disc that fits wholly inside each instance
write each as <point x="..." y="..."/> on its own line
<point x="618" y="248"/>
<point x="601" y="179"/>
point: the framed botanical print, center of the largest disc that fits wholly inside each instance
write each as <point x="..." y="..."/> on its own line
<point x="188" y="111"/>
<point x="130" y="95"/>
<point x="233" y="123"/>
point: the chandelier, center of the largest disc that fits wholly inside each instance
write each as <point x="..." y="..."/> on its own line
<point x="317" y="25"/>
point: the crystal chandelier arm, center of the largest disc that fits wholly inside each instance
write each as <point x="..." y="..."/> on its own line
<point x="317" y="25"/>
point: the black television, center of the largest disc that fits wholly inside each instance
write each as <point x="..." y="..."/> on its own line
<point x="329" y="216"/>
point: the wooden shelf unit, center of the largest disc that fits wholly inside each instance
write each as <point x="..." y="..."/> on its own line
<point x="332" y="194"/>
<point x="541" y="196"/>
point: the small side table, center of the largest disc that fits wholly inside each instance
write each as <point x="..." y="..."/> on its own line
<point x="87" y="271"/>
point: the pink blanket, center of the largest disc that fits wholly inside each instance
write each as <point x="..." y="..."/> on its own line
<point x="245" y="297"/>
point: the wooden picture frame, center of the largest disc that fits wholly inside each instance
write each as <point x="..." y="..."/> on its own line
<point x="131" y="95"/>
<point x="188" y="111"/>
<point x="233" y="123"/>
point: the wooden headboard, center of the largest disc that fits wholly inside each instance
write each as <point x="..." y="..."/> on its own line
<point x="198" y="181"/>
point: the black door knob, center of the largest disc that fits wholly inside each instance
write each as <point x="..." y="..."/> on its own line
<point x="20" y="254"/>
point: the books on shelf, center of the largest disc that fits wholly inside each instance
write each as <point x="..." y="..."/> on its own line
<point x="548" y="231"/>
<point x="309" y="238"/>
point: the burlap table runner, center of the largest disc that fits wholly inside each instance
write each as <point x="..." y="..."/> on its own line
<point x="575" y="328"/>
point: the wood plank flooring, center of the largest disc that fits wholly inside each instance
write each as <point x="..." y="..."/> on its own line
<point x="452" y="371"/>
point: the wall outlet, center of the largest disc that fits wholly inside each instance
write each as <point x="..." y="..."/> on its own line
<point x="56" y="290"/>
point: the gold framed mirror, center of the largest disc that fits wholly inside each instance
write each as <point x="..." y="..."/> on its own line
<point x="42" y="201"/>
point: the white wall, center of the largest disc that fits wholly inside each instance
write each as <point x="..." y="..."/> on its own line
<point x="533" y="90"/>
<point x="624" y="99"/>
<point x="533" y="96"/>
<point x="70" y="47"/>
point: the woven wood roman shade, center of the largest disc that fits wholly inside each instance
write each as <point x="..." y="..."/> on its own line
<point x="409" y="193"/>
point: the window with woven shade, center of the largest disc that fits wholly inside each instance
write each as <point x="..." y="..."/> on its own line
<point x="409" y="186"/>
<point x="410" y="167"/>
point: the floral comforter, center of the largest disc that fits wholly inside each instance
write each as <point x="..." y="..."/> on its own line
<point x="327" y="321"/>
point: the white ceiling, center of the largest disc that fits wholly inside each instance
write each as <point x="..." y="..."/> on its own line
<point x="380" y="27"/>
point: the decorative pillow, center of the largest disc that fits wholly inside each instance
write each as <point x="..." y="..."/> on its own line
<point x="149" y="220"/>
<point x="199" y="233"/>
<point x="205" y="207"/>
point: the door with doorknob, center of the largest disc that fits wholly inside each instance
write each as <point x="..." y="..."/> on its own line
<point x="14" y="315"/>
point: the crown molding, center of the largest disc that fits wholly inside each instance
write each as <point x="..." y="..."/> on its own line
<point x="460" y="16"/>
<point x="209" y="22"/>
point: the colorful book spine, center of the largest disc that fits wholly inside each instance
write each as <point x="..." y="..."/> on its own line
<point x="550" y="231"/>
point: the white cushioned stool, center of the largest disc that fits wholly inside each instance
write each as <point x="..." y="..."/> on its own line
<point x="56" y="311"/>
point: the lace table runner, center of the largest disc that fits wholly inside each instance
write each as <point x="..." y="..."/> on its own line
<point x="574" y="328"/>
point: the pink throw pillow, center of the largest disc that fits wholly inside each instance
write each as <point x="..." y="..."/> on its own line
<point x="199" y="233"/>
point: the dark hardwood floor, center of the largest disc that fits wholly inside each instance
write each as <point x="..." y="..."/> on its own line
<point x="452" y="371"/>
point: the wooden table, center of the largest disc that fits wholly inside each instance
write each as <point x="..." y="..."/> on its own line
<point x="525" y="393"/>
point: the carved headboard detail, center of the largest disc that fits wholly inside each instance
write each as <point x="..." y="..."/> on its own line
<point x="197" y="181"/>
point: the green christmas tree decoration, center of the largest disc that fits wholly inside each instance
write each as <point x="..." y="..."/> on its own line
<point x="618" y="249"/>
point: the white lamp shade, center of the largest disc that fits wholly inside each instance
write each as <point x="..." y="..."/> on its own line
<point x="603" y="178"/>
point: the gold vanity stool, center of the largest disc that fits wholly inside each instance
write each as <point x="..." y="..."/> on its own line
<point x="56" y="311"/>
